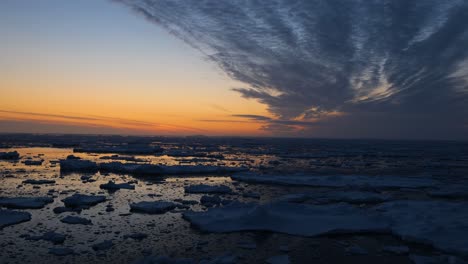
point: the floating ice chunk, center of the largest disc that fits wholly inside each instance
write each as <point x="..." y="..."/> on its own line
<point x="61" y="251"/>
<point x="333" y="197"/>
<point x="130" y="168"/>
<point x="123" y="149"/>
<point x="51" y="236"/>
<point x="63" y="209"/>
<point x="200" y="169"/>
<point x="210" y="200"/>
<point x="33" y="162"/>
<point x="163" y="260"/>
<point x="125" y="158"/>
<point x="443" y="225"/>
<point x="78" y="165"/>
<point x="10" y="217"/>
<point x="152" y="207"/>
<point x="289" y="218"/>
<point x="112" y="186"/>
<point x="151" y="169"/>
<point x="69" y="157"/>
<point x="104" y="245"/>
<point x="76" y="220"/>
<point x="83" y="201"/>
<point x="280" y="259"/>
<point x="25" y="202"/>
<point x="203" y="188"/>
<point x="136" y="236"/>
<point x="31" y="181"/>
<point x="359" y="181"/>
<point x="13" y="155"/>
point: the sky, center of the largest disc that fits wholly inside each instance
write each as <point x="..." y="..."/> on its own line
<point x="298" y="68"/>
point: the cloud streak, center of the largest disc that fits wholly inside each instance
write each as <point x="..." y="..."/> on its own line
<point x="97" y="120"/>
<point x="307" y="58"/>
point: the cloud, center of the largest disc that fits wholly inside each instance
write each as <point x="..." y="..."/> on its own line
<point x="307" y="58"/>
<point x="76" y="120"/>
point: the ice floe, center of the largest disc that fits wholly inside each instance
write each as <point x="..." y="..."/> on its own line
<point x="10" y="217"/>
<point x="112" y="186"/>
<point x="32" y="181"/>
<point x="334" y="196"/>
<point x="152" y="207"/>
<point x="104" y="245"/>
<point x="203" y="188"/>
<point x="75" y="220"/>
<point x="289" y="218"/>
<point x="12" y="155"/>
<point x="83" y="201"/>
<point x="61" y="251"/>
<point x="151" y="169"/>
<point x="78" y="165"/>
<point x="442" y="224"/>
<point x="33" y="162"/>
<point x="25" y="202"/>
<point x="123" y="149"/>
<point x="50" y="236"/>
<point x="357" y="181"/>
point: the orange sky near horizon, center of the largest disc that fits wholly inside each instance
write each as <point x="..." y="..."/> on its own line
<point x="111" y="69"/>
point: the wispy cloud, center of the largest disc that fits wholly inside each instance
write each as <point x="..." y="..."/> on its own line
<point x="307" y="58"/>
<point x="97" y="120"/>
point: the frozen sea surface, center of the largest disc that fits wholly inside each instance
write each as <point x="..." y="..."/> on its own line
<point x="237" y="200"/>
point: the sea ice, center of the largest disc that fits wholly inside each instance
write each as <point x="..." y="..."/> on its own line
<point x="51" y="236"/>
<point x="61" y="251"/>
<point x="203" y="188"/>
<point x="151" y="169"/>
<point x="357" y="197"/>
<point x="76" y="220"/>
<point x="10" y="217"/>
<point x="13" y="155"/>
<point x="32" y="181"/>
<point x="83" y="201"/>
<point x="25" y="202"/>
<point x="289" y="218"/>
<point x="116" y="186"/>
<point x="78" y="165"/>
<point x="33" y="162"/>
<point x="358" y="181"/>
<point x="441" y="224"/>
<point x="152" y="207"/>
<point x="104" y="245"/>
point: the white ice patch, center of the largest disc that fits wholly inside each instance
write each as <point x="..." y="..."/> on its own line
<point x="359" y="181"/>
<point x="333" y="197"/>
<point x="293" y="219"/>
<point x="150" y="169"/>
<point x="444" y="225"/>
